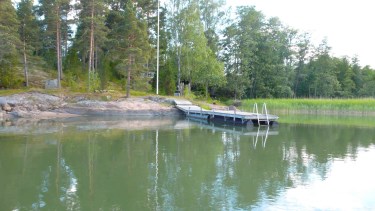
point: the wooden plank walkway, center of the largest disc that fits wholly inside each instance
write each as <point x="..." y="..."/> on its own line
<point x="241" y="117"/>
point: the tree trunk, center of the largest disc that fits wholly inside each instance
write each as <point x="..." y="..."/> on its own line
<point x="58" y="49"/>
<point x="96" y="57"/>
<point x="66" y="43"/>
<point x="179" y="72"/>
<point x="206" y="90"/>
<point x="128" y="83"/>
<point x="58" y="54"/>
<point x="25" y="68"/>
<point x="91" y="53"/>
<point x="296" y="80"/>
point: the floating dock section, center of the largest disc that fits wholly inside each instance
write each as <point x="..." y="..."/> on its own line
<point x="237" y="117"/>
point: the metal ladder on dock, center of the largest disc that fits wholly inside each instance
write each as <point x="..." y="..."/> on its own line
<point x="264" y="109"/>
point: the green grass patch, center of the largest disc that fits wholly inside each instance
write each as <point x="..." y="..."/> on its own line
<point x="134" y="93"/>
<point x="358" y="121"/>
<point x="6" y="92"/>
<point x="312" y="105"/>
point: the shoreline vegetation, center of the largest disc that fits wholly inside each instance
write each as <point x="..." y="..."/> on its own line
<point x="359" y="106"/>
<point x="62" y="103"/>
<point x="201" y="49"/>
<point x="320" y="119"/>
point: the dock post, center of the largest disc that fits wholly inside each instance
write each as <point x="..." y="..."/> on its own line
<point x="265" y="108"/>
<point x="255" y="109"/>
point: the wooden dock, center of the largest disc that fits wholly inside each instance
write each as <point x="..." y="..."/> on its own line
<point x="237" y="117"/>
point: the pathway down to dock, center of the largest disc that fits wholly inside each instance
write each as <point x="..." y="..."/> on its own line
<point x="235" y="116"/>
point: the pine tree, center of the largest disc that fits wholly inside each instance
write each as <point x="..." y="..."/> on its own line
<point x="9" y="43"/>
<point x="28" y="31"/>
<point x="91" y="38"/>
<point x="55" y="24"/>
<point x="130" y="47"/>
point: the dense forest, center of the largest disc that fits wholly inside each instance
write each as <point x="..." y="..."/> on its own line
<point x="205" y="48"/>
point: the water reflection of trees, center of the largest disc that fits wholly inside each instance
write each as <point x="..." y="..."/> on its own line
<point x="240" y="176"/>
<point x="187" y="168"/>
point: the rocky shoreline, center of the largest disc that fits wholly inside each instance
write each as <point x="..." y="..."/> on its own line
<point x="37" y="105"/>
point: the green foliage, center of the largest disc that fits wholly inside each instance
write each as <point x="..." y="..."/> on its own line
<point x="9" y="39"/>
<point x="198" y="63"/>
<point x="265" y="59"/>
<point x="28" y="25"/>
<point x="188" y="94"/>
<point x="139" y="93"/>
<point x="53" y="17"/>
<point x="91" y="22"/>
<point x="142" y="85"/>
<point x="94" y="81"/>
<point x="29" y="32"/>
<point x="6" y="92"/>
<point x="73" y="82"/>
<point x="252" y="57"/>
<point x="9" y="43"/>
<point x="8" y="69"/>
<point x="167" y="76"/>
<point x="131" y="49"/>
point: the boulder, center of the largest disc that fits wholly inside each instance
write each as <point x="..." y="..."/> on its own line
<point x="42" y="107"/>
<point x="232" y="108"/>
<point x="51" y="84"/>
<point x="6" y="107"/>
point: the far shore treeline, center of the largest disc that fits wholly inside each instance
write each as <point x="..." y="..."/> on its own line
<point x="205" y="48"/>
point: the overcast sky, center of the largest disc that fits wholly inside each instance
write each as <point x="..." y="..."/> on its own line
<point x="349" y="25"/>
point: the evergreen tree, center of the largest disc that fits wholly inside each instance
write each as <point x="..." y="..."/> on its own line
<point x="54" y="25"/>
<point x="28" y="31"/>
<point x="9" y="43"/>
<point x="167" y="70"/>
<point x="91" y="39"/>
<point x="130" y="47"/>
<point x="168" y="81"/>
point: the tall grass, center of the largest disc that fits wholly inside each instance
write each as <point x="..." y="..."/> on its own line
<point x="313" y="105"/>
<point x="342" y="120"/>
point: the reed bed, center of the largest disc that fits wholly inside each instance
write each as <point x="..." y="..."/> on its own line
<point x="363" y="105"/>
<point x="359" y="121"/>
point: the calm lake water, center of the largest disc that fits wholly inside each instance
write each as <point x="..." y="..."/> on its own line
<point x="177" y="164"/>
